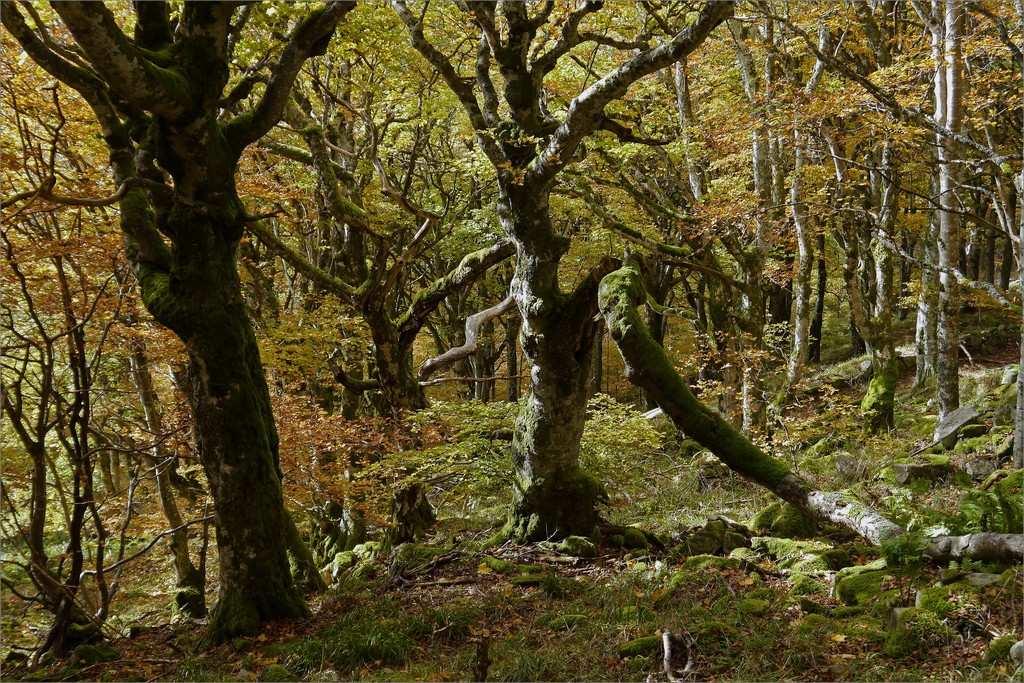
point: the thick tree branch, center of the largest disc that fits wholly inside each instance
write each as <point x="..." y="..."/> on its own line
<point x="586" y="112"/>
<point x="460" y="86"/>
<point x="165" y="92"/>
<point x="298" y="262"/>
<point x="309" y="38"/>
<point x="473" y="325"/>
<point x="470" y="268"/>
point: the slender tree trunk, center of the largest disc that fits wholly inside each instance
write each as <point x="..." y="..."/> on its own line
<point x="191" y="584"/>
<point x="926" y="334"/>
<point x="948" y="114"/>
<point x="814" y="350"/>
<point x="802" y="279"/>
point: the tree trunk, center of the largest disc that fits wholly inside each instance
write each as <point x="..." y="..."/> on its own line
<point x="948" y="114"/>
<point x="512" y="326"/>
<point x="814" y="347"/>
<point x="237" y="441"/>
<point x="552" y="496"/>
<point x="648" y="366"/>
<point x="191" y="583"/>
<point x="926" y="334"/>
<point x="802" y="278"/>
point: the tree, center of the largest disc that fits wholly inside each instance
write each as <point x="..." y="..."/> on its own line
<point x="529" y="145"/>
<point x="158" y="96"/>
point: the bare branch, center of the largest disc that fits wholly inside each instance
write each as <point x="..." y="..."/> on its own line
<point x="309" y="38"/>
<point x="473" y="325"/>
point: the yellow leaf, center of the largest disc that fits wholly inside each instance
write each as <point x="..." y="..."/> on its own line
<point x="838" y="637"/>
<point x="483" y="569"/>
<point x="749" y="581"/>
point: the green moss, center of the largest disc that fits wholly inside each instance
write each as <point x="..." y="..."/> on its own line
<point x="86" y="655"/>
<point x="877" y="406"/>
<point x="915" y="631"/>
<point x="567" y="621"/>
<point x="277" y="673"/>
<point x="998" y="651"/>
<point x="529" y="569"/>
<point x="752" y="607"/>
<point x="783" y="520"/>
<point x="806" y="585"/>
<point x="578" y="546"/>
<point x="558" y="506"/>
<point x="646" y="646"/>
<point x="829" y="560"/>
<point x="814" y="625"/>
<point x="634" y="538"/>
<point x="810" y="606"/>
<point x="528" y="579"/>
<point x="500" y="566"/>
<point x="368" y="551"/>
<point x="860" y="589"/>
<point x="701" y="562"/>
<point x="937" y="600"/>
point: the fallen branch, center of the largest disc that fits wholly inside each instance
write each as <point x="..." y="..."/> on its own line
<point x="473" y="325"/>
<point x="649" y="367"/>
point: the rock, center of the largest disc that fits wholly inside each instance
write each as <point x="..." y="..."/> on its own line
<point x="241" y="644"/>
<point x="634" y="539"/>
<point x="732" y="540"/>
<point x="783" y="520"/>
<point x="948" y="428"/>
<point x="935" y="468"/>
<point x="645" y="646"/>
<point x="1017" y="652"/>
<point x="578" y="546"/>
<point x="1009" y="375"/>
<point x="914" y="630"/>
<point x="567" y="621"/>
<point x="276" y="673"/>
<point x="981" y="580"/>
<point x="850" y="469"/>
<point x="806" y="585"/>
<point x="86" y="655"/>
<point x="710" y="467"/>
<point x="979" y="469"/>
<point x="710" y="562"/>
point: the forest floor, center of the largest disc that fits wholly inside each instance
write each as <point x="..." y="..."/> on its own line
<point x="766" y="599"/>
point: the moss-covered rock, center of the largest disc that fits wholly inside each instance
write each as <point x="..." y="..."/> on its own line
<point x="915" y="630"/>
<point x="634" y="538"/>
<point x="810" y="606"/>
<point x="368" y="551"/>
<point x="87" y="655"/>
<point x="241" y="644"/>
<point x="710" y="562"/>
<point x="499" y="565"/>
<point x="806" y="585"/>
<point x="276" y="673"/>
<point x="647" y="646"/>
<point x="828" y="560"/>
<point x="342" y="561"/>
<point x="998" y="651"/>
<point x="745" y="555"/>
<point x="410" y="556"/>
<point x="939" y="600"/>
<point x="814" y="625"/>
<point x="860" y="589"/>
<point x="872" y="566"/>
<point x="578" y="546"/>
<point x="528" y="579"/>
<point x="783" y="520"/>
<point x="753" y="607"/>
<point x="566" y="622"/>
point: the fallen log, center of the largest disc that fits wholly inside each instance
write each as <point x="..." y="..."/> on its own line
<point x="648" y="367"/>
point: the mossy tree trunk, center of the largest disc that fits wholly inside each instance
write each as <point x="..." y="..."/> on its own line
<point x="159" y="97"/>
<point x="648" y="366"/>
<point x="552" y="496"/>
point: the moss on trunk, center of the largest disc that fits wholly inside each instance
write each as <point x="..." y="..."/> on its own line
<point x="878" y="404"/>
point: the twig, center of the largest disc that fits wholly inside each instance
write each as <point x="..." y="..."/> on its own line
<point x="150" y="545"/>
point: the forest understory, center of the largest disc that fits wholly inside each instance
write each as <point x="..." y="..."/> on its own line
<point x="743" y="587"/>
